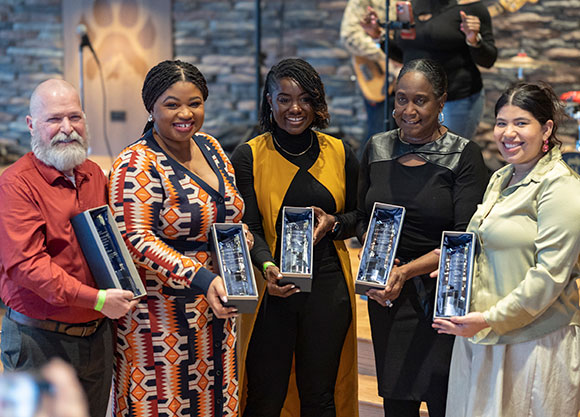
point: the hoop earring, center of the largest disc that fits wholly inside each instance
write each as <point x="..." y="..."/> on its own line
<point x="393" y="113"/>
<point x="271" y="119"/>
<point x="441" y="118"/>
<point x="150" y="118"/>
<point x="545" y="146"/>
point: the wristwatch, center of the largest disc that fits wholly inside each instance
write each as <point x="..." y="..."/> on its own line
<point x="335" y="227"/>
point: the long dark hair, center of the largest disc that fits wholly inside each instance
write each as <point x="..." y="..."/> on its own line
<point x="540" y="100"/>
<point x="164" y="75"/>
<point x="306" y="76"/>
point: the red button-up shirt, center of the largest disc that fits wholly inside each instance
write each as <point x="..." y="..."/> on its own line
<point x="43" y="273"/>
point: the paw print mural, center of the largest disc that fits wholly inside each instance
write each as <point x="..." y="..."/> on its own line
<point x="123" y="32"/>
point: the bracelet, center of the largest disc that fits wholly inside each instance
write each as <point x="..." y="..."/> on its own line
<point x="266" y="264"/>
<point x="100" y="300"/>
<point x="477" y="43"/>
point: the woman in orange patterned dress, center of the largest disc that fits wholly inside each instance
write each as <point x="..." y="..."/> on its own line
<point x="175" y="351"/>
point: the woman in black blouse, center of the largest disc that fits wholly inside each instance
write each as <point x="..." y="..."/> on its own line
<point x="439" y="178"/>
<point x="293" y="165"/>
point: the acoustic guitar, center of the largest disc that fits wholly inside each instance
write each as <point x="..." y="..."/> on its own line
<point x="370" y="75"/>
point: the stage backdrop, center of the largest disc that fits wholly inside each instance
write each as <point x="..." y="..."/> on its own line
<point x="129" y="37"/>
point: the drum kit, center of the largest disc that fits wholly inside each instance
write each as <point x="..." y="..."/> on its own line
<point x="521" y="62"/>
<point x="570" y="99"/>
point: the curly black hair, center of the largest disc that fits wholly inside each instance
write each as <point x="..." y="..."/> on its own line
<point x="306" y="76"/>
<point x="163" y="75"/>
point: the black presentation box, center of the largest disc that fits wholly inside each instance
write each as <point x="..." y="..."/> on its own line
<point x="380" y="247"/>
<point x="296" y="250"/>
<point x="106" y="252"/>
<point x="453" y="291"/>
<point x="232" y="257"/>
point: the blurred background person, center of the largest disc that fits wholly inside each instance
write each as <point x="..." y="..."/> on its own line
<point x="293" y="165"/>
<point x="166" y="190"/>
<point x="439" y="178"/>
<point x="457" y="34"/>
<point x="52" y="391"/>
<point x="523" y="352"/>
<point x="54" y="306"/>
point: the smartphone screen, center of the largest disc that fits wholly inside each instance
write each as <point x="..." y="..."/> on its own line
<point x="405" y="15"/>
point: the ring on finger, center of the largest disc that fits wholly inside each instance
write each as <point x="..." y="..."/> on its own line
<point x="388" y="303"/>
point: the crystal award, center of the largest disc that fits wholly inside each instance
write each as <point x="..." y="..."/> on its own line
<point x="455" y="274"/>
<point x="105" y="251"/>
<point x="380" y="247"/>
<point x="296" y="249"/>
<point x="232" y="257"/>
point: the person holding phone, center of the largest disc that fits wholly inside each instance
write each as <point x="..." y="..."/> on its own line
<point x="457" y="34"/>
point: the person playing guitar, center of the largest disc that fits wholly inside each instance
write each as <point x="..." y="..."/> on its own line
<point x="462" y="37"/>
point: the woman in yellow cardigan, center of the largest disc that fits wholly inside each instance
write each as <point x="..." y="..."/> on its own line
<point x="293" y="165"/>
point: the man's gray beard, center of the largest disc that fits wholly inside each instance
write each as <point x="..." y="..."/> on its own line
<point x="63" y="157"/>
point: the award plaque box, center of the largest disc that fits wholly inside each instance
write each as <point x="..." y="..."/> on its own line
<point x="105" y="251"/>
<point x="296" y="248"/>
<point x="380" y="247"/>
<point x="231" y="255"/>
<point x="453" y="288"/>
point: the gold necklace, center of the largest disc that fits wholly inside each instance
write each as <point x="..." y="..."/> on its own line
<point x="295" y="154"/>
<point x="439" y="134"/>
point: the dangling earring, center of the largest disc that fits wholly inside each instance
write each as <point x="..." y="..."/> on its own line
<point x="150" y="118"/>
<point x="271" y="119"/>
<point x="545" y="146"/>
<point x="393" y="113"/>
<point x="441" y="118"/>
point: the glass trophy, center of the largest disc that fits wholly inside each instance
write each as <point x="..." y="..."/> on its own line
<point x="455" y="274"/>
<point x="296" y="248"/>
<point x="105" y="251"/>
<point x="232" y="257"/>
<point x="380" y="247"/>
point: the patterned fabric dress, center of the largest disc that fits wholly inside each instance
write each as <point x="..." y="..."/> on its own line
<point x="174" y="357"/>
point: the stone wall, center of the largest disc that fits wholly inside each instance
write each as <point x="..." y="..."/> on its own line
<point x="30" y="52"/>
<point x="219" y="37"/>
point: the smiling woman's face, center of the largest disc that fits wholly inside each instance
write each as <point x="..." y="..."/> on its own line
<point x="179" y="112"/>
<point x="291" y="106"/>
<point x="519" y="136"/>
<point x="416" y="108"/>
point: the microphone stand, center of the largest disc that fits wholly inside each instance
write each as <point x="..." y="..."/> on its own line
<point x="388" y="26"/>
<point x="81" y="75"/>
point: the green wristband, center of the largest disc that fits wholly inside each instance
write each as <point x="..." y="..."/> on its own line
<point x="100" y="300"/>
<point x="266" y="264"/>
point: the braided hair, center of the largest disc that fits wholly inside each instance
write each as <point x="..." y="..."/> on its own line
<point x="540" y="100"/>
<point x="163" y="75"/>
<point x="306" y="76"/>
<point x="431" y="70"/>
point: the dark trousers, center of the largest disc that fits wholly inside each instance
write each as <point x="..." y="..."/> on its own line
<point x="311" y="326"/>
<point x="409" y="408"/>
<point x="27" y="348"/>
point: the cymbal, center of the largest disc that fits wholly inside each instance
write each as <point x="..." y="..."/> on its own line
<point x="523" y="61"/>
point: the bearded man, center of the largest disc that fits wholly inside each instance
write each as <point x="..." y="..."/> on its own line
<point x="54" y="307"/>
